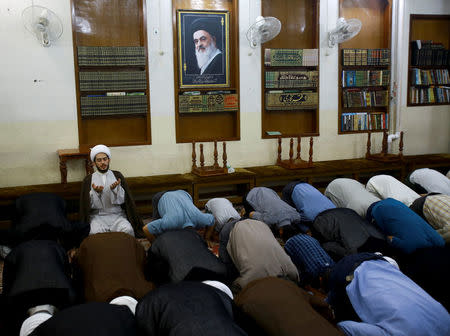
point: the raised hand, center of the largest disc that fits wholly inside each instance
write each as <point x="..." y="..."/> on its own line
<point x="98" y="189"/>
<point x="115" y="184"/>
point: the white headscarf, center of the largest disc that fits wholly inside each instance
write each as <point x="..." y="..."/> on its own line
<point x="221" y="286"/>
<point x="33" y="322"/>
<point x="126" y="301"/>
<point x="99" y="149"/>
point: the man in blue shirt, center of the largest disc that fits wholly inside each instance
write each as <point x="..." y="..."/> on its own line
<point x="389" y="303"/>
<point x="406" y="230"/>
<point x="309" y="257"/>
<point x="309" y="201"/>
<point x="177" y="211"/>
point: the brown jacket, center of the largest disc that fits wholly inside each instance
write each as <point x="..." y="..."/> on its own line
<point x="129" y="206"/>
<point x="111" y="264"/>
<point x="281" y="308"/>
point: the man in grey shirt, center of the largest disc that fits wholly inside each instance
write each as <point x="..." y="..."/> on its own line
<point x="266" y="206"/>
<point x="349" y="193"/>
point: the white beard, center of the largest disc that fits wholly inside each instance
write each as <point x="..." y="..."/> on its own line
<point x="203" y="56"/>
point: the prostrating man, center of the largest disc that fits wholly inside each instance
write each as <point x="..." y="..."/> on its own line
<point x="279" y="307"/>
<point x="105" y="201"/>
<point x="187" y="308"/>
<point x="226" y="217"/>
<point x="36" y="273"/>
<point x="205" y="32"/>
<point x="89" y="319"/>
<point x="385" y="301"/>
<point x="263" y="204"/>
<point x="310" y="258"/>
<point x="111" y="264"/>
<point x="180" y="255"/>
<point x="308" y="201"/>
<point x="435" y="209"/>
<point x="406" y="230"/>
<point x="177" y="211"/>
<point x="257" y="254"/>
<point x="431" y="180"/>
<point x="349" y="193"/>
<point x="342" y="231"/>
<point x="386" y="186"/>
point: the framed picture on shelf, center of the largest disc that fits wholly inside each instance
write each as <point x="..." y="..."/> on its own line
<point x="203" y="48"/>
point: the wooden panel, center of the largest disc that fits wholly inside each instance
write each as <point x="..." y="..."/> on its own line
<point x="113" y="131"/>
<point x="298" y="23"/>
<point x="108" y="23"/>
<point x="207" y="126"/>
<point x="291" y="123"/>
<point x="437" y="30"/>
<point x="376" y="25"/>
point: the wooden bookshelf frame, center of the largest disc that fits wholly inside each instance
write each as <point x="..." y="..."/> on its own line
<point x="108" y="22"/>
<point x="291" y="123"/>
<point x="376" y="18"/>
<point x="427" y="27"/>
<point x="208" y="126"/>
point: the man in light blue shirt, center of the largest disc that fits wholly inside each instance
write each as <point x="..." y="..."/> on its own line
<point x="177" y="211"/>
<point x="309" y="201"/>
<point x="390" y="303"/>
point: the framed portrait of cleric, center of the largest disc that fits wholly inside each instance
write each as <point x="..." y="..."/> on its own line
<point x="203" y="48"/>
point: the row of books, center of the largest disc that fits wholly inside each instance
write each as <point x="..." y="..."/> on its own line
<point x="366" y="56"/>
<point x="427" y="52"/>
<point x="207" y="103"/>
<point x="121" y="93"/>
<point x="362" y="121"/>
<point x="291" y="57"/>
<point x="429" y="95"/>
<point x="364" y="98"/>
<point x="352" y="78"/>
<point x="291" y="79"/>
<point x="429" y="77"/>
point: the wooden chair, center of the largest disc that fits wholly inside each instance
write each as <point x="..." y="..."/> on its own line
<point x="296" y="163"/>
<point x="213" y="170"/>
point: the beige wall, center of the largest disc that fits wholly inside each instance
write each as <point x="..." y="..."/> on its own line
<point x="38" y="111"/>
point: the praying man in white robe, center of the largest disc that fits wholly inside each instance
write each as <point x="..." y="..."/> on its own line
<point x="105" y="200"/>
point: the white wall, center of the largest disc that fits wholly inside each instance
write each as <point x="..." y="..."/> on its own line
<point x="38" y="105"/>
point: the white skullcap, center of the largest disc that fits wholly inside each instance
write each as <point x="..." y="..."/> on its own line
<point x="221" y="286"/>
<point x="33" y="322"/>
<point x="391" y="261"/>
<point x="99" y="149"/>
<point x="126" y="301"/>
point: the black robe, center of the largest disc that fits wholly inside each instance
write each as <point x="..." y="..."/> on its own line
<point x="91" y="319"/>
<point x="36" y="273"/>
<point x="183" y="255"/>
<point x="186" y="309"/>
<point x="129" y="206"/>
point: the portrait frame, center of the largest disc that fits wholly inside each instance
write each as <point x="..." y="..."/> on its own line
<point x="215" y="72"/>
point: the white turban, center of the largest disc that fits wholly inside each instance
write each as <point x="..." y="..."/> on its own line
<point x="391" y="261"/>
<point x="126" y="301"/>
<point x="221" y="286"/>
<point x="33" y="322"/>
<point x="99" y="149"/>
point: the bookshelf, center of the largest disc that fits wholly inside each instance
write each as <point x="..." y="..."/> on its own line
<point x="290" y="72"/>
<point x="429" y="60"/>
<point x="206" y="107"/>
<point x="364" y="68"/>
<point x="111" y="72"/>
